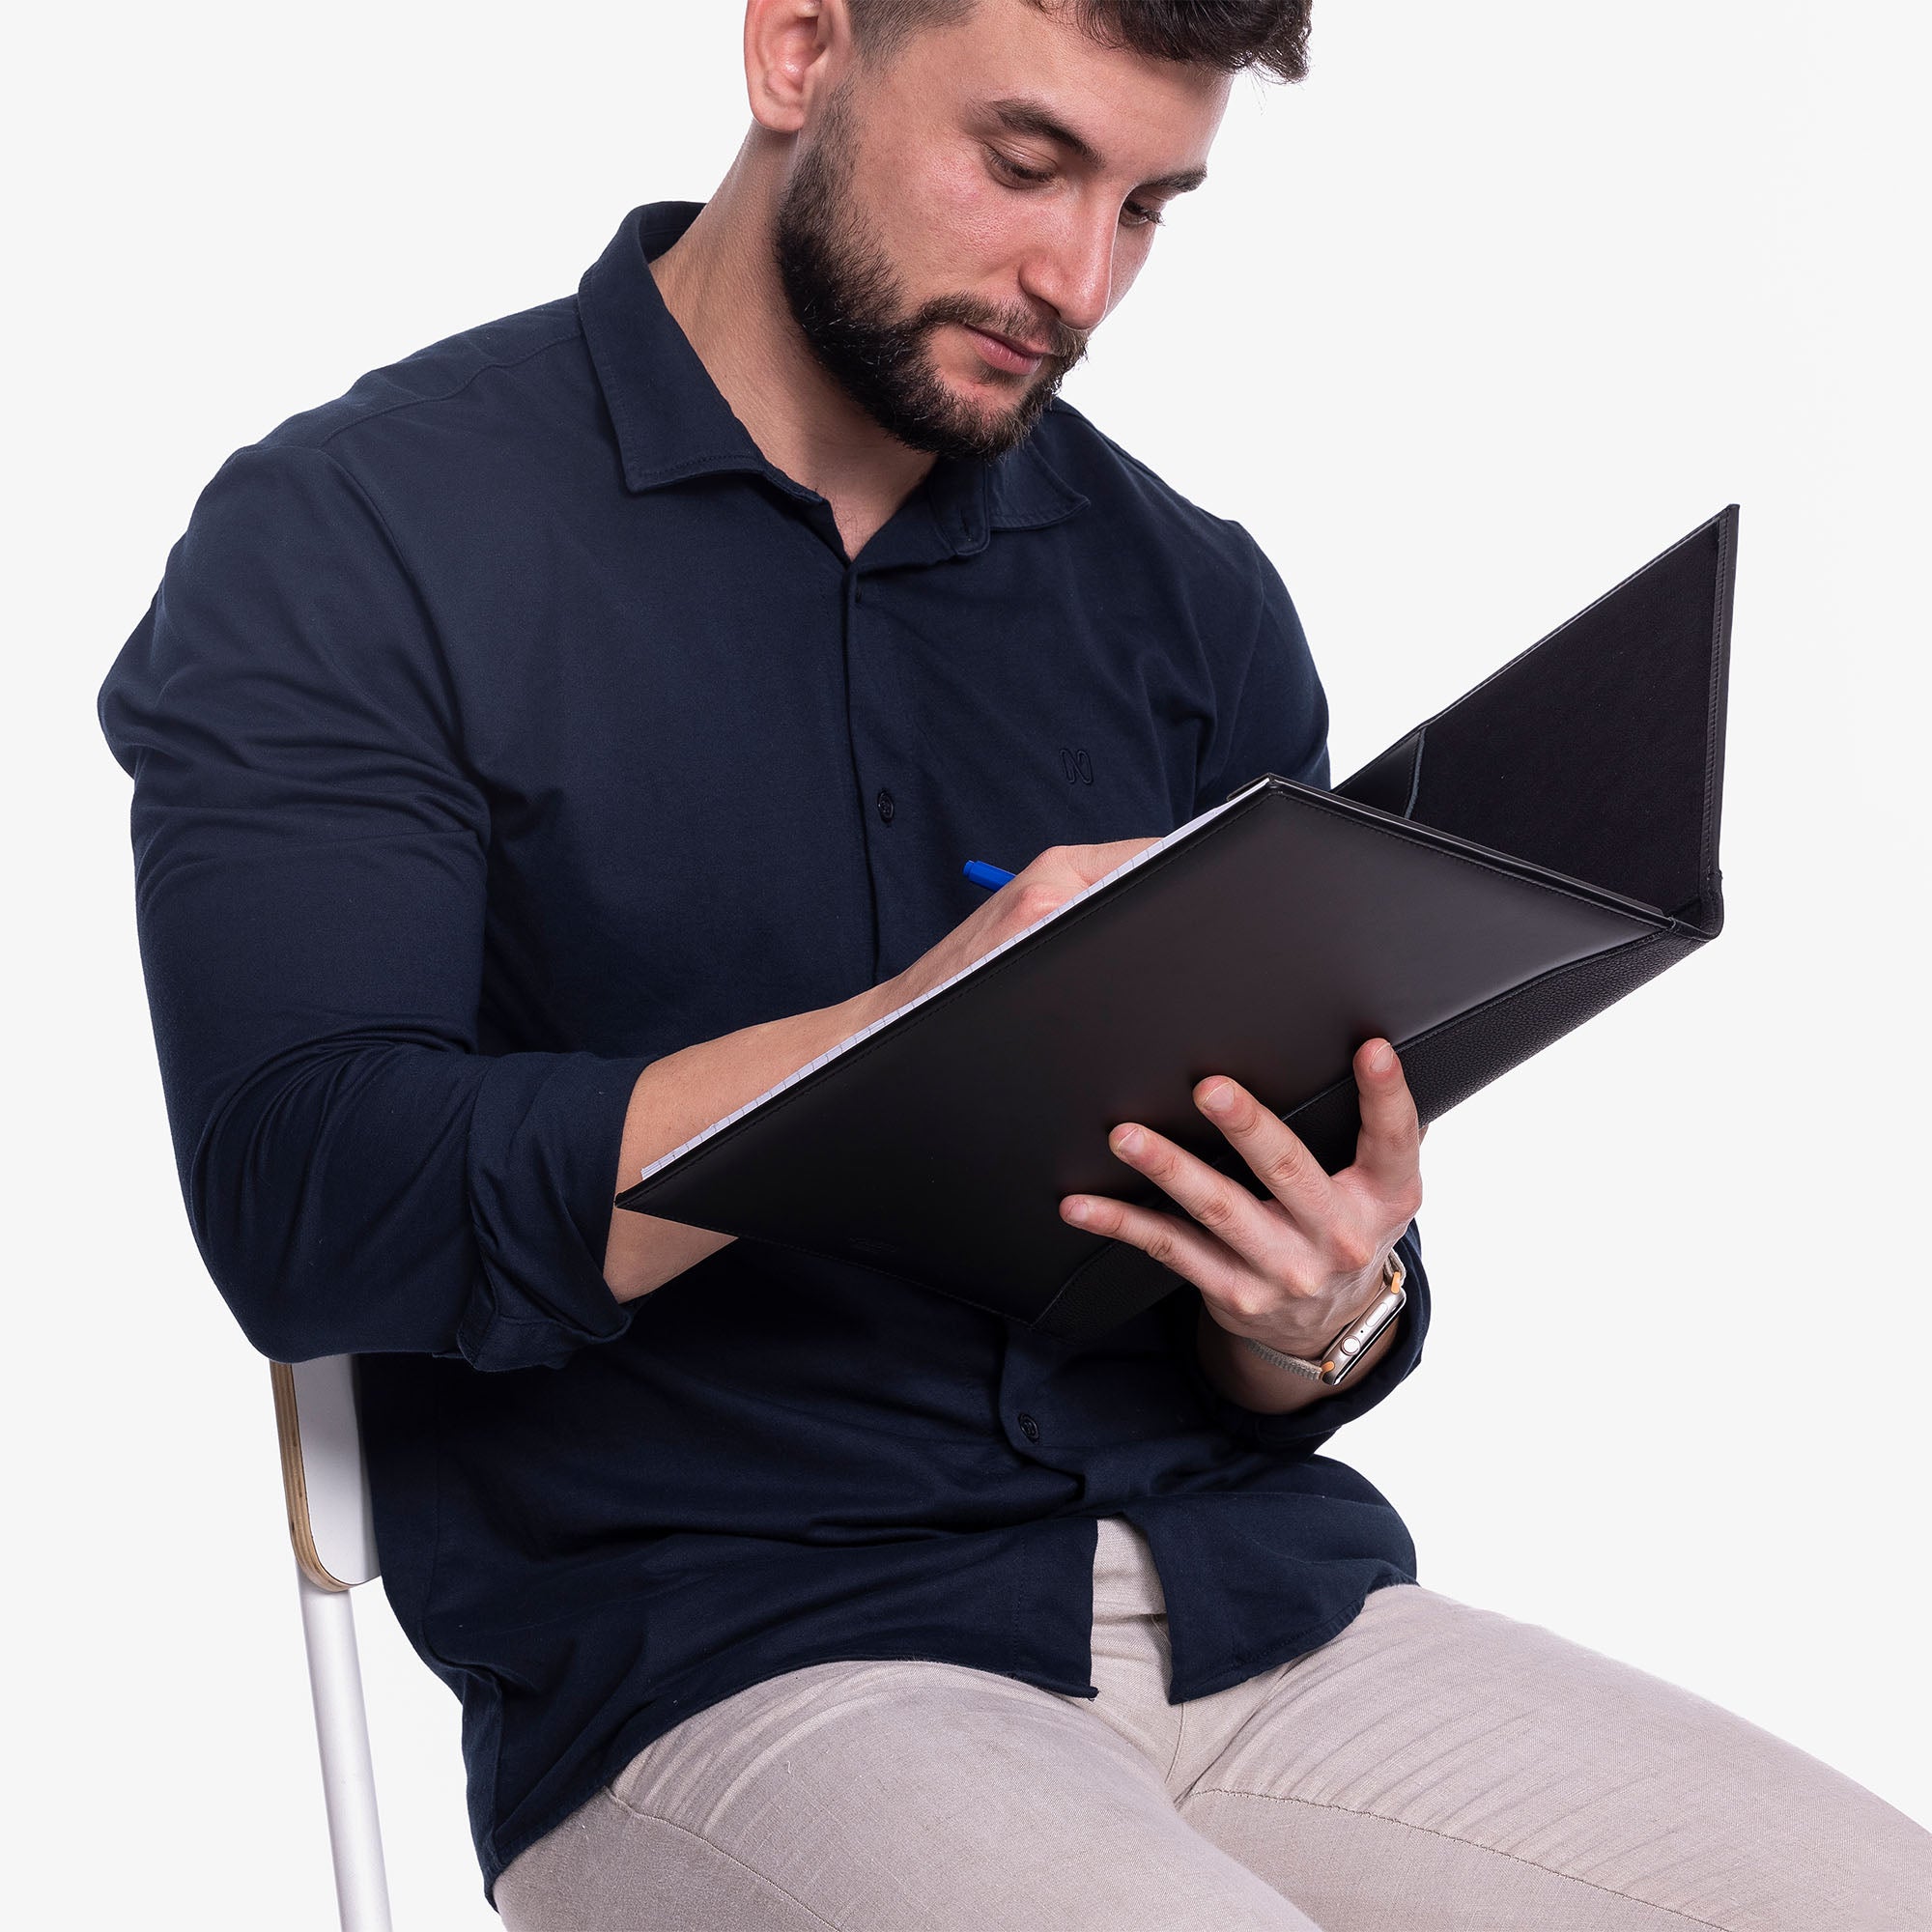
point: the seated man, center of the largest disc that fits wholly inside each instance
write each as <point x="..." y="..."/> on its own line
<point x="576" y="728"/>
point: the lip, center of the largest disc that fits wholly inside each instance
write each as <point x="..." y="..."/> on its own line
<point x="1004" y="353"/>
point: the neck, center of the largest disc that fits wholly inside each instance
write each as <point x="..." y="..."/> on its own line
<point x="721" y="283"/>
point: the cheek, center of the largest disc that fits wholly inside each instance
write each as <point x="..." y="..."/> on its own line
<point x="966" y="215"/>
<point x="1130" y="259"/>
<point x="948" y="225"/>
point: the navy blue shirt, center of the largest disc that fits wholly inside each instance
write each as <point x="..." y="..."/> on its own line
<point x="509" y="723"/>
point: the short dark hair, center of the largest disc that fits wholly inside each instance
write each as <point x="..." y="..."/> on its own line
<point x="1232" y="35"/>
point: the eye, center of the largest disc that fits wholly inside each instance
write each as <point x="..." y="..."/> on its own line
<point x="1138" y="214"/>
<point x="1012" y="172"/>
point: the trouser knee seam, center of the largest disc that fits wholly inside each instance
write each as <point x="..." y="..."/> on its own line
<point x="1515" y="1857"/>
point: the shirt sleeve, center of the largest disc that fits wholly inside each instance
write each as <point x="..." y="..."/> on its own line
<point x="1277" y="719"/>
<point x="1279" y="723"/>
<point x="310" y="863"/>
<point x="1304" y="1430"/>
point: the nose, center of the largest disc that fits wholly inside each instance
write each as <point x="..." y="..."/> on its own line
<point x="1071" y="270"/>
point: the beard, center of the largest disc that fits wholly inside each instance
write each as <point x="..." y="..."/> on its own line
<point x="846" y="301"/>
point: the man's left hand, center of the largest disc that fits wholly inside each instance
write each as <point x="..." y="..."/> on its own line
<point x="1292" y="1269"/>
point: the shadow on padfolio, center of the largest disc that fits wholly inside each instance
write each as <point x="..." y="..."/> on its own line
<point x="1528" y="856"/>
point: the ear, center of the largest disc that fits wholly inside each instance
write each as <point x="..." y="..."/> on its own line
<point x="794" y="50"/>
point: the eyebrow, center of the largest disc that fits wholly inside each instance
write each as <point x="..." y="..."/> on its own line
<point x="1031" y="117"/>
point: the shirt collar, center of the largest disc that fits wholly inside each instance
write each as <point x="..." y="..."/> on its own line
<point x="673" y="422"/>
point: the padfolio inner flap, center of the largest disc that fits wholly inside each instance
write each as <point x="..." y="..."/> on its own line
<point x="1598" y="751"/>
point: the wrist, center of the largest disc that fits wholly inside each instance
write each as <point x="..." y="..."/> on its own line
<point x="1342" y="1353"/>
<point x="1244" y="1377"/>
<point x="684" y="1092"/>
<point x="1263" y="1375"/>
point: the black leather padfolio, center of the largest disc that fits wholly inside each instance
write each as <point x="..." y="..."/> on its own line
<point x="1529" y="855"/>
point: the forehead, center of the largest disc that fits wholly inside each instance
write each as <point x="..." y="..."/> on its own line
<point x="1034" y="69"/>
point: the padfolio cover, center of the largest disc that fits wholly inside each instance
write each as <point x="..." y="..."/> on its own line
<point x="1514" y="864"/>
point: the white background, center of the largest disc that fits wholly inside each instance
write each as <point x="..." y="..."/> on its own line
<point x="1500" y="302"/>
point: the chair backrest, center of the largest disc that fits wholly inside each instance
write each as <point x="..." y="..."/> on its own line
<point x="324" y="1482"/>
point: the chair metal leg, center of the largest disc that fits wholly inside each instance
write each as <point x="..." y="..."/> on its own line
<point x="348" y="1777"/>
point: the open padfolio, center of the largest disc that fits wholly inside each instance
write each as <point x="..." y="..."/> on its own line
<point x="1511" y="866"/>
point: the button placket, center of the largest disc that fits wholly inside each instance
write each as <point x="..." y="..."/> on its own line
<point x="890" y="782"/>
<point x="1027" y="1363"/>
<point x="870" y="730"/>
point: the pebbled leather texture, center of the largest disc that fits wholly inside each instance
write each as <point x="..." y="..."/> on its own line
<point x="1599" y="751"/>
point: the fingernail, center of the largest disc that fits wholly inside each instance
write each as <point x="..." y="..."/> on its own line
<point x="1128" y="1140"/>
<point x="1078" y="1211"/>
<point x="1382" y="1058"/>
<point x="1218" y="1100"/>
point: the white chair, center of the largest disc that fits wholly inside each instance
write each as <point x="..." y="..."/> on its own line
<point x="329" y="1525"/>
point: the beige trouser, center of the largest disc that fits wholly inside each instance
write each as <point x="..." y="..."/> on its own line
<point x="1432" y="1769"/>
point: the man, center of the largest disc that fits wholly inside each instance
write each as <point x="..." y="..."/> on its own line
<point x="576" y="728"/>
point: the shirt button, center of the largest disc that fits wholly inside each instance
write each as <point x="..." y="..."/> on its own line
<point x="884" y="802"/>
<point x="1029" y="1427"/>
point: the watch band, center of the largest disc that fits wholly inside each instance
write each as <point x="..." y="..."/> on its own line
<point x="1346" y="1347"/>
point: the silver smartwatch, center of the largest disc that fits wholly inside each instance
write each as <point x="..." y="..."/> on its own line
<point x="1341" y="1357"/>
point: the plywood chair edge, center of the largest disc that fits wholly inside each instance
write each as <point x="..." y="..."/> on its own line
<point x="295" y="1484"/>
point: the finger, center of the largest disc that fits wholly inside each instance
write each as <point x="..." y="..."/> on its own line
<point x="1271" y="1149"/>
<point x="1388" y="1146"/>
<point x="1189" y="1250"/>
<point x="1060" y="873"/>
<point x="1096" y="862"/>
<point x="1071" y="869"/>
<point x="1224" y="1207"/>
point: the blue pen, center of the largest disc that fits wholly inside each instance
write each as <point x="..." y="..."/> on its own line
<point x="983" y="874"/>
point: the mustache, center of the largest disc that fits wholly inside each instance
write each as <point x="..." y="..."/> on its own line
<point x="1064" y="346"/>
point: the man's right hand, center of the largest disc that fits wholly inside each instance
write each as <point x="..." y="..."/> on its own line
<point x="1060" y="873"/>
<point x="679" y="1096"/>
